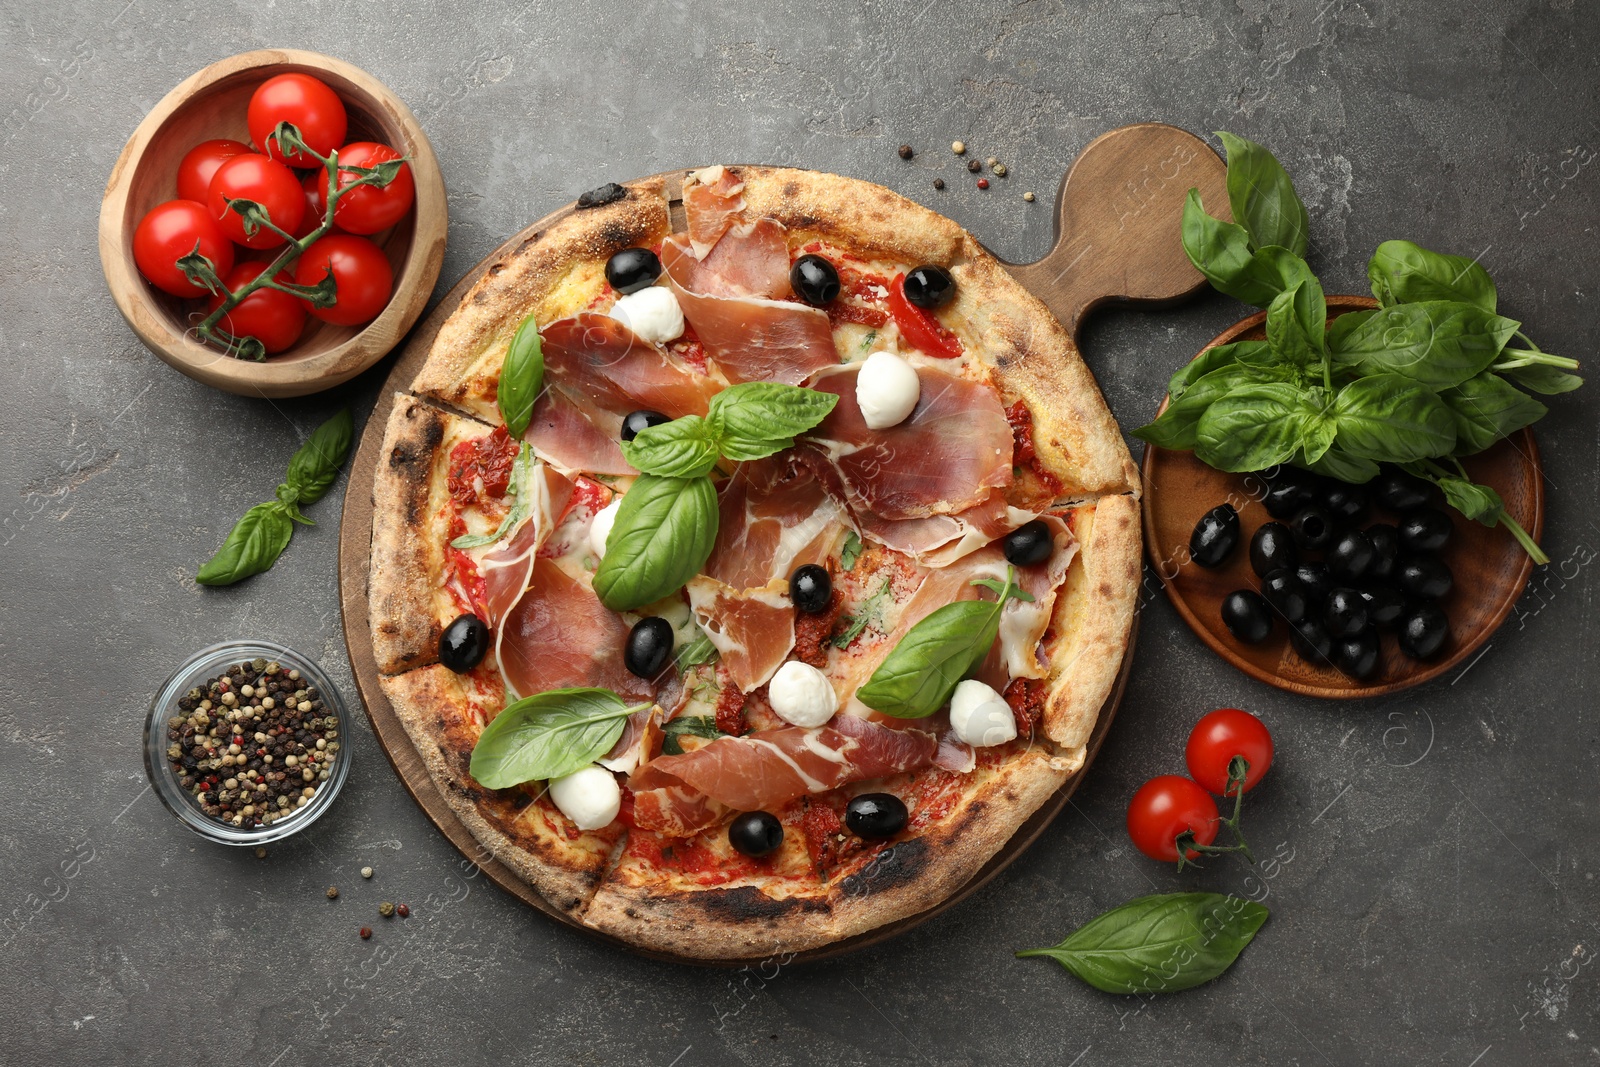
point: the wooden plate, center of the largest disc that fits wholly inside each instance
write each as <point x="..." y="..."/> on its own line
<point x="1117" y="240"/>
<point x="1490" y="568"/>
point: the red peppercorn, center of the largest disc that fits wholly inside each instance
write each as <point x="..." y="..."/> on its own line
<point x="366" y="932"/>
<point x="402" y="910"/>
<point x="983" y="183"/>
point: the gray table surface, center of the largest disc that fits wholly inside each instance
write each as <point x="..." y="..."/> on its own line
<point x="1434" y="900"/>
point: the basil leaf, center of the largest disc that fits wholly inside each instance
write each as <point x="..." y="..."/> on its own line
<point x="1343" y="326"/>
<point x="1317" y="437"/>
<point x="1178" y="426"/>
<point x="1295" y="323"/>
<point x="1263" y="197"/>
<point x="1221" y="251"/>
<point x="521" y="378"/>
<point x="1477" y="502"/>
<point x="1215" y="359"/>
<point x="1543" y="379"/>
<point x="1253" y="427"/>
<point x="1342" y="467"/>
<point x="662" y="536"/>
<point x="1439" y="343"/>
<point x="1487" y="409"/>
<point x="693" y="725"/>
<point x="1159" y="944"/>
<point x="548" y="735"/>
<point x="757" y="419"/>
<point x="315" y="465"/>
<point x="252" y="546"/>
<point x="1406" y="273"/>
<point x="517" y="512"/>
<point x="916" y="679"/>
<point x="1390" y="418"/>
<point x="696" y="652"/>
<point x="682" y="448"/>
<point x="850" y="552"/>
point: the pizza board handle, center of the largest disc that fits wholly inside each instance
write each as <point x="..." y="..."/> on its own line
<point x="1117" y="222"/>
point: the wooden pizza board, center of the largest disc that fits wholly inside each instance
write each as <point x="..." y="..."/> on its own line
<point x="1117" y="220"/>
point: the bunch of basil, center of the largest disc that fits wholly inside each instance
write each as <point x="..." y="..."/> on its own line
<point x="1429" y="376"/>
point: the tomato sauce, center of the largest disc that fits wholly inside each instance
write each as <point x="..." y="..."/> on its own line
<point x="1023" y="451"/>
<point x="481" y="468"/>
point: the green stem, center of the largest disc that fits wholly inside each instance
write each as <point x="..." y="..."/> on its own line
<point x="1524" y="357"/>
<point x="1529" y="545"/>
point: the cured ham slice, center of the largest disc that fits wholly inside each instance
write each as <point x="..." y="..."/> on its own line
<point x="750" y="338"/>
<point x="675" y="810"/>
<point x="505" y="567"/>
<point x="939" y="540"/>
<point x="752" y="629"/>
<point x="943" y="459"/>
<point x="763" y="770"/>
<point x="559" y="635"/>
<point x="562" y="435"/>
<point x="774" y="516"/>
<point x="606" y="371"/>
<point x="751" y="259"/>
<point x="713" y="199"/>
<point x="641" y="735"/>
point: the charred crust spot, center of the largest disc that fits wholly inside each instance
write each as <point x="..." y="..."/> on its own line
<point x="495" y="270"/>
<point x="615" y="233"/>
<point x="746" y="903"/>
<point x="899" y="865"/>
<point x="609" y="193"/>
<point x="631" y="912"/>
<point x="525" y="245"/>
<point x="791" y="189"/>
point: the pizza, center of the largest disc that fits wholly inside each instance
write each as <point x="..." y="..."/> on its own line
<point x="848" y="623"/>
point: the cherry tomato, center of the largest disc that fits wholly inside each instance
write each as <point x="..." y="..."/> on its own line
<point x="368" y="209"/>
<point x="268" y="183"/>
<point x="170" y="232"/>
<point x="316" y="111"/>
<point x="1165" y="807"/>
<point x="919" y="327"/>
<point x="272" y="317"/>
<point x="200" y="164"/>
<point x="360" y="271"/>
<point x="1217" y="738"/>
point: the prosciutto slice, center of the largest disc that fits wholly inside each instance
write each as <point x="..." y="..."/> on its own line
<point x="942" y="460"/>
<point x="563" y="435"/>
<point x="558" y="635"/>
<point x="774" y="516"/>
<point x="506" y="567"/>
<point x="939" y="540"/>
<point x="752" y="629"/>
<point x="606" y="371"/>
<point x="713" y="199"/>
<point x="763" y="770"/>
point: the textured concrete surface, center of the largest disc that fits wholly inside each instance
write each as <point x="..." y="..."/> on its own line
<point x="1434" y="900"/>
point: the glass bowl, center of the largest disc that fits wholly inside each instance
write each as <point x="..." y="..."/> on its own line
<point x="196" y="671"/>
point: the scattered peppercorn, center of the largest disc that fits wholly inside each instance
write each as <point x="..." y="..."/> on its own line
<point x="991" y="161"/>
<point x="974" y="166"/>
<point x="999" y="170"/>
<point x="906" y="152"/>
<point x="402" y="910"/>
<point x="938" y="183"/>
<point x="366" y="872"/>
<point x="252" y="744"/>
<point x="386" y="909"/>
<point x="983" y="183"/>
<point x="261" y="853"/>
<point x="1028" y="197"/>
<point x="366" y="932"/>
<point x="958" y="148"/>
<point x="333" y="892"/>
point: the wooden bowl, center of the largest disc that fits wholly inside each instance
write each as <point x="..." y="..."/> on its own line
<point x="1491" y="569"/>
<point x="212" y="104"/>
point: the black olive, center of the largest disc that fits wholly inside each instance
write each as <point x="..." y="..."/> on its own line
<point x="632" y="269"/>
<point x="1345" y="502"/>
<point x="1357" y="656"/>
<point x="755" y="833"/>
<point x="1384" y="605"/>
<point x="1310" y="639"/>
<point x="1314" y="577"/>
<point x="929" y="287"/>
<point x="814" y="280"/>
<point x="464" y="643"/>
<point x="1424" y="576"/>
<point x="1399" y="491"/>
<point x="1351" y="557"/>
<point x="1312" y="528"/>
<point x="1288" y="490"/>
<point x="811" y="589"/>
<point x="1247" y="616"/>
<point x="1424" y="631"/>
<point x="875" y="815"/>
<point x="1385" y="551"/>
<point x="1286" y="595"/>
<point x="1345" y="613"/>
<point x="1028" y="544"/>
<point x="1271" y="547"/>
<point x="1214" y="536"/>
<point x="635" y="422"/>
<point x="1425" y="530"/>
<point x="649" y="646"/>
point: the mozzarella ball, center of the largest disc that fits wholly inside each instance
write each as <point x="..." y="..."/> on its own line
<point x="801" y="695"/>
<point x="600" y="526"/>
<point x="589" y="797"/>
<point x="980" y="716"/>
<point x="887" y="389"/>
<point x="651" y="313"/>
